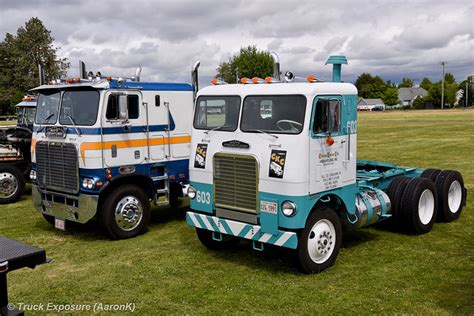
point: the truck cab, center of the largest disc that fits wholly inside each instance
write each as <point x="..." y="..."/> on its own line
<point x="278" y="166"/>
<point x="104" y="147"/>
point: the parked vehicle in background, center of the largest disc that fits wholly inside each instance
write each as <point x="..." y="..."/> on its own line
<point x="291" y="178"/>
<point x="15" y="157"/>
<point x="104" y="147"/>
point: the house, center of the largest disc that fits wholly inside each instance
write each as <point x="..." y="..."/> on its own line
<point x="370" y="105"/>
<point x="408" y="95"/>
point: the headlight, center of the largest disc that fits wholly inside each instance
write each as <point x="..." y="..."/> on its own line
<point x="88" y="183"/>
<point x="288" y="208"/>
<point x="191" y="192"/>
<point x="33" y="175"/>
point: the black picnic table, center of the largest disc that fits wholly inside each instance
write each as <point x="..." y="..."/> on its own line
<point x="15" y="255"/>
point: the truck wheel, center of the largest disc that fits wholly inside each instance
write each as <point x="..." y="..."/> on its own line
<point x="125" y="212"/>
<point x="395" y="193"/>
<point x="418" y="205"/>
<point x="205" y="237"/>
<point x="431" y="174"/>
<point x="319" y="241"/>
<point x="451" y="195"/>
<point x="12" y="184"/>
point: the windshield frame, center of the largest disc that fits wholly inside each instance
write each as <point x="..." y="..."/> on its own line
<point x="76" y="123"/>
<point x="269" y="96"/>
<point x="217" y="128"/>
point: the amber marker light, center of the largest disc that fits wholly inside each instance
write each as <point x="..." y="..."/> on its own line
<point x="244" y="80"/>
<point x="329" y="141"/>
<point x="214" y="82"/>
<point x="310" y="78"/>
<point x="268" y="79"/>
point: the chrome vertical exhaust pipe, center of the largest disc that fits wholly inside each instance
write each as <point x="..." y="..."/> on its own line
<point x="276" y="65"/>
<point x="195" y="77"/>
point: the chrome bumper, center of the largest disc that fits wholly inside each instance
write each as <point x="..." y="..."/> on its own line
<point x="79" y="209"/>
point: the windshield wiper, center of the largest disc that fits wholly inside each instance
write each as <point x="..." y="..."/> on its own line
<point x="215" y="129"/>
<point x="46" y="120"/>
<point x="78" y="131"/>
<point x="263" y="132"/>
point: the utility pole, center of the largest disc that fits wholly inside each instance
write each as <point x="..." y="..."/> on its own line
<point x="467" y="92"/>
<point x="442" y="87"/>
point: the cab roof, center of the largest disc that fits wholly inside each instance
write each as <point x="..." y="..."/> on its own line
<point x="132" y="85"/>
<point x="304" y="88"/>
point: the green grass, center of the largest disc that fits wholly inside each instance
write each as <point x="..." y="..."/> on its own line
<point x="167" y="270"/>
<point x="7" y="123"/>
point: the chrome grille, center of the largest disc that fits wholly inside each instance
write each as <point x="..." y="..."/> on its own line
<point x="236" y="182"/>
<point x="57" y="166"/>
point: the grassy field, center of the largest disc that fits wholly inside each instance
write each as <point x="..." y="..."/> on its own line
<point x="167" y="270"/>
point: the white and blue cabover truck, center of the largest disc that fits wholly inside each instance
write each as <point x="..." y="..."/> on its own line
<point x="104" y="147"/>
<point x="278" y="165"/>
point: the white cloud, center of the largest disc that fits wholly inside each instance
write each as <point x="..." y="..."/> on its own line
<point x="389" y="38"/>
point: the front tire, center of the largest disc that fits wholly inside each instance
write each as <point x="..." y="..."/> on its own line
<point x="12" y="184"/>
<point x="125" y="212"/>
<point x="205" y="237"/>
<point x="320" y="241"/>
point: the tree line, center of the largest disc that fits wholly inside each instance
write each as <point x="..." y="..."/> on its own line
<point x="20" y="55"/>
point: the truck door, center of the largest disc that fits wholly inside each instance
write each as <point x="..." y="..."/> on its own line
<point x="124" y="143"/>
<point x="328" y="144"/>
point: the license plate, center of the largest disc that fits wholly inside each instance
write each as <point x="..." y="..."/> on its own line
<point x="269" y="207"/>
<point x="60" y="224"/>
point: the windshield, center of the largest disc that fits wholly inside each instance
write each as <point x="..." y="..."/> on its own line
<point x="280" y="114"/>
<point x="217" y="112"/>
<point x="48" y="106"/>
<point x="25" y="115"/>
<point x="79" y="107"/>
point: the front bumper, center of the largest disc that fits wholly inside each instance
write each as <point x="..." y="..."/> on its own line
<point x="79" y="209"/>
<point x="242" y="230"/>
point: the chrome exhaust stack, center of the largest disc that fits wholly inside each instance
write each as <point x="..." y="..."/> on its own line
<point x="82" y="70"/>
<point x="138" y="72"/>
<point x="195" y="78"/>
<point x="276" y="65"/>
<point x="40" y="74"/>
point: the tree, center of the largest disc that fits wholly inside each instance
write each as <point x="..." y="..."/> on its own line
<point x="250" y="62"/>
<point x="434" y="94"/>
<point x="449" y="78"/>
<point x="390" y="96"/>
<point x="426" y="83"/>
<point x="419" y="103"/>
<point x="20" y="55"/>
<point x="470" y="86"/>
<point x="369" y="86"/>
<point x="406" y="83"/>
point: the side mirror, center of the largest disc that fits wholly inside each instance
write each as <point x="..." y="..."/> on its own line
<point x="123" y="107"/>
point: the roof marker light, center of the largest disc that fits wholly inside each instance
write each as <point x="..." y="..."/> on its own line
<point x="214" y="81"/>
<point x="244" y="80"/>
<point x="268" y="79"/>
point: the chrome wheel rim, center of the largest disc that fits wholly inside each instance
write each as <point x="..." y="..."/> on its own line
<point x="128" y="213"/>
<point x="454" y="196"/>
<point x="321" y="241"/>
<point x="426" y="206"/>
<point x="8" y="185"/>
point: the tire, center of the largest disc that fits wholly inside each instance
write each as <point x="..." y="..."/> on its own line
<point x="430" y="174"/>
<point x="395" y="193"/>
<point x="419" y="205"/>
<point x="205" y="237"/>
<point x="451" y="195"/>
<point x="12" y="184"/>
<point x="125" y="212"/>
<point x="320" y="241"/>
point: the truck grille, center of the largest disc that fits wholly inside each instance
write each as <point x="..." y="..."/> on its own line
<point x="56" y="166"/>
<point x="236" y="182"/>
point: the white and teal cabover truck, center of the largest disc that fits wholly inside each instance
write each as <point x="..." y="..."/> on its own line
<point x="104" y="147"/>
<point x="278" y="165"/>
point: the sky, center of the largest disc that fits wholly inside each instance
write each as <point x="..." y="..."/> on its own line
<point x="392" y="39"/>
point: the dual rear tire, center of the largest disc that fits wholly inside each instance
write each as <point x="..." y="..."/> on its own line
<point x="418" y="202"/>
